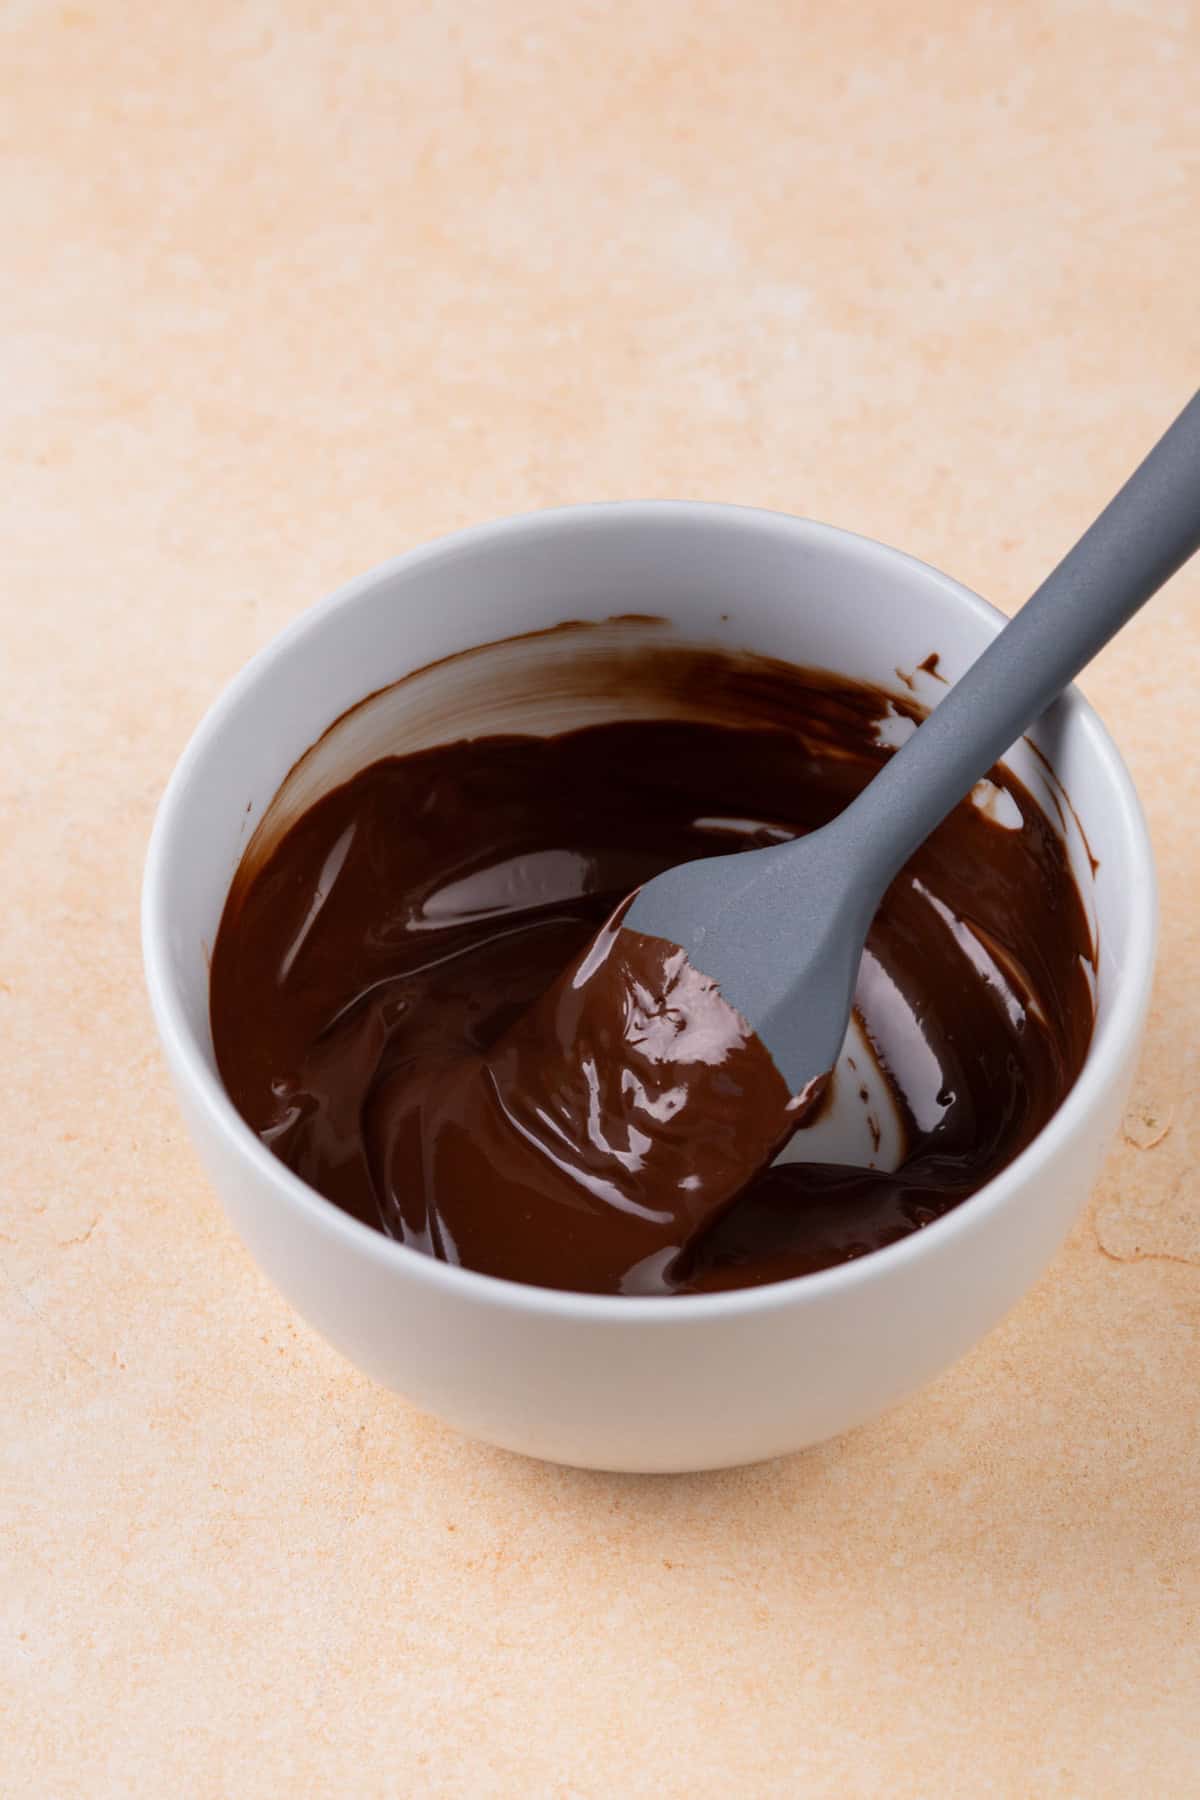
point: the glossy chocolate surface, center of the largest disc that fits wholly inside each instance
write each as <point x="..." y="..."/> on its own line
<point x="399" y="1011"/>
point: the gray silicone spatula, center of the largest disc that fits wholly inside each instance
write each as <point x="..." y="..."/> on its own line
<point x="781" y="930"/>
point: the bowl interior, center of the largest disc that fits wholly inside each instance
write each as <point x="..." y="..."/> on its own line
<point x="708" y="575"/>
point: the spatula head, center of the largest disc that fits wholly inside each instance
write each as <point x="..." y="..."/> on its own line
<point x="781" y="932"/>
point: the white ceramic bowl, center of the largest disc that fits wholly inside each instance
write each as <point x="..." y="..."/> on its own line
<point x="653" y="1384"/>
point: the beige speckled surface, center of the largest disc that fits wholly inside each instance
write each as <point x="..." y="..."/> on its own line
<point x="286" y="288"/>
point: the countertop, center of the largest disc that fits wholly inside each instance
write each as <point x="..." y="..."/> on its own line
<point x="288" y="288"/>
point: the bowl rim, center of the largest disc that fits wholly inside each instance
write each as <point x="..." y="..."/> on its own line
<point x="1109" y="1044"/>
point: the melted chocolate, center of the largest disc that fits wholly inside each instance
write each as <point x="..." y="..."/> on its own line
<point x="391" y="1014"/>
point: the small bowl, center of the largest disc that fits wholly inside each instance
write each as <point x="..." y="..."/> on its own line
<point x="694" y="1382"/>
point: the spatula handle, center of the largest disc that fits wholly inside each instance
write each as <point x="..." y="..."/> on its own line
<point x="1143" y="535"/>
